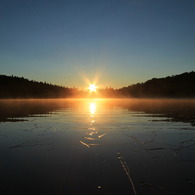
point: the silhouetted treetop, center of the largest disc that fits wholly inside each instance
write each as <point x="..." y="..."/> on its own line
<point x="182" y="85"/>
<point x="16" y="87"/>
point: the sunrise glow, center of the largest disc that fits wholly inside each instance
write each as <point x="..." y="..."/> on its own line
<point x="92" y="88"/>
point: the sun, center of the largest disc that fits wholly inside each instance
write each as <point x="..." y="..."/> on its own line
<point x="92" y="88"/>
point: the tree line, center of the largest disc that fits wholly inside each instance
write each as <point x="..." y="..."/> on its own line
<point x="19" y="87"/>
<point x="182" y="85"/>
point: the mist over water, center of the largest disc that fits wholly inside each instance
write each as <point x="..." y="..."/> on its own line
<point x="97" y="146"/>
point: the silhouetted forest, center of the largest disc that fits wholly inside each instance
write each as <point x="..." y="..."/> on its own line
<point x="16" y="87"/>
<point x="182" y="85"/>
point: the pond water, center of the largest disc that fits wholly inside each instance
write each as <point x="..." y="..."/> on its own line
<point x="97" y="146"/>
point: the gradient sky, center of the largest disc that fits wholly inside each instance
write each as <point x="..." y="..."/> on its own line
<point x="116" y="42"/>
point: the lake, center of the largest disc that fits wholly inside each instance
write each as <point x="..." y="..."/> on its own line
<point x="97" y="146"/>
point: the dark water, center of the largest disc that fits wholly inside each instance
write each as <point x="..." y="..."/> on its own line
<point x="97" y="147"/>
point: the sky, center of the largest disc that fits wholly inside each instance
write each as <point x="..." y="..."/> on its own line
<point x="114" y="43"/>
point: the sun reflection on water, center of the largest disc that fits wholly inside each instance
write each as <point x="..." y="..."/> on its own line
<point x="91" y="137"/>
<point x="94" y="132"/>
<point x="92" y="108"/>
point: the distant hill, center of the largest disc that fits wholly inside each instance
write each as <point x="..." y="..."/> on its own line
<point x="182" y="85"/>
<point x="16" y="87"/>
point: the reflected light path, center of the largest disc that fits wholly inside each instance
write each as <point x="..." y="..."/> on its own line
<point x="92" y="107"/>
<point x="93" y="134"/>
<point x="90" y="137"/>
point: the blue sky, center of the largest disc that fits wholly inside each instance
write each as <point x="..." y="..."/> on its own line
<point x="115" y="42"/>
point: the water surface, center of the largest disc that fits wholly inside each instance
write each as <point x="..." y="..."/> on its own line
<point x="97" y="146"/>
